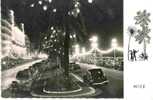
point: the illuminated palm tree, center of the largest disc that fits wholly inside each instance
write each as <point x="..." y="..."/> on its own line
<point x="69" y="20"/>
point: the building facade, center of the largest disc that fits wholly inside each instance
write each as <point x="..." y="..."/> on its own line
<point x="12" y="38"/>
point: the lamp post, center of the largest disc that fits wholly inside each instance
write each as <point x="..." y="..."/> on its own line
<point x="94" y="43"/>
<point x="77" y="50"/>
<point x="114" y="45"/>
<point x="94" y="46"/>
<point x="83" y="50"/>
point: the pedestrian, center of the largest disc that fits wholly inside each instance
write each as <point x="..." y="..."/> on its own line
<point x="134" y="54"/>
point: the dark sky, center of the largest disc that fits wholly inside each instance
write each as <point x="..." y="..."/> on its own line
<point x="103" y="18"/>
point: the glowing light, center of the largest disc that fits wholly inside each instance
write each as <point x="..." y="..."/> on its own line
<point x="40" y="2"/>
<point x="94" y="39"/>
<point x="114" y="43"/>
<point x="51" y="36"/>
<point x="71" y="36"/>
<point x="12" y="12"/>
<point x="69" y="13"/>
<point x="52" y="28"/>
<point x="120" y="49"/>
<point x="72" y="13"/>
<point x="32" y="5"/>
<point x="54" y="10"/>
<point x="45" y="8"/>
<point x="77" y="49"/>
<point x="75" y="5"/>
<point x="3" y="62"/>
<point x="49" y="1"/>
<point x="83" y="50"/>
<point x="105" y="51"/>
<point x="42" y="55"/>
<point x="78" y="10"/>
<point x="90" y="1"/>
<point x="45" y="37"/>
<point x="54" y="31"/>
<point x="94" y="45"/>
<point x="74" y="36"/>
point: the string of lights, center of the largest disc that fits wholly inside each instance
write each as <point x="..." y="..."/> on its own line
<point x="120" y="49"/>
<point x="94" y="46"/>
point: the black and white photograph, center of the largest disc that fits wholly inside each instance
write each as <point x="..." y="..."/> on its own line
<point x="76" y="49"/>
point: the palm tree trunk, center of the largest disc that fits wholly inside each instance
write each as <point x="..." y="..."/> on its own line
<point x="129" y="46"/>
<point x="144" y="48"/>
<point x="66" y="51"/>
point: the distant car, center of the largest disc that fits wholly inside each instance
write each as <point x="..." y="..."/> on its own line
<point x="95" y="76"/>
<point x="74" y="67"/>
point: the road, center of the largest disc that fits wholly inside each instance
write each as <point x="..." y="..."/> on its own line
<point x="115" y="87"/>
<point x="10" y="75"/>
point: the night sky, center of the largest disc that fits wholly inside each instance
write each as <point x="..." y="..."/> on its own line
<point x="103" y="18"/>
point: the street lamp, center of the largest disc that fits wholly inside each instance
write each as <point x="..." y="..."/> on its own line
<point x="77" y="49"/>
<point x="94" y="43"/>
<point x="94" y="46"/>
<point x="83" y="50"/>
<point x="90" y="1"/>
<point x="94" y="39"/>
<point x="114" y="45"/>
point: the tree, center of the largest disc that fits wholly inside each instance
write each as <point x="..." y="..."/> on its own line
<point x="70" y="23"/>
<point x="132" y="31"/>
<point x="143" y="20"/>
<point x="52" y="43"/>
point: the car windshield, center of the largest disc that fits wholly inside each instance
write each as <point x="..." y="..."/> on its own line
<point x="97" y="74"/>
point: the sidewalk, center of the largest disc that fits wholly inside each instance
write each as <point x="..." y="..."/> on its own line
<point x="9" y="75"/>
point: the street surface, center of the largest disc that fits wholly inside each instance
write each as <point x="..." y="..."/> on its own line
<point x="114" y="89"/>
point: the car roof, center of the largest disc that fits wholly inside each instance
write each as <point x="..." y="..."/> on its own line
<point x="91" y="68"/>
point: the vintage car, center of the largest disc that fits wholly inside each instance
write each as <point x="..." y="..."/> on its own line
<point x="92" y="76"/>
<point x="95" y="76"/>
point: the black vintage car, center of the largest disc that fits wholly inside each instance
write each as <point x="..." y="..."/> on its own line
<point x="95" y="76"/>
<point x="92" y="76"/>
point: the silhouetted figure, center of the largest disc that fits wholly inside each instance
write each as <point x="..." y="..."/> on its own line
<point x="131" y="55"/>
<point x="134" y="54"/>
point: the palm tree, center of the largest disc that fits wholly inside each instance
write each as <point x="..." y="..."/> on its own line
<point x="132" y="32"/>
<point x="143" y="20"/>
<point x="69" y="20"/>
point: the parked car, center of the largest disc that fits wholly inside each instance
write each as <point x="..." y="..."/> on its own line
<point x="95" y="76"/>
<point x="91" y="75"/>
<point x="74" y="67"/>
